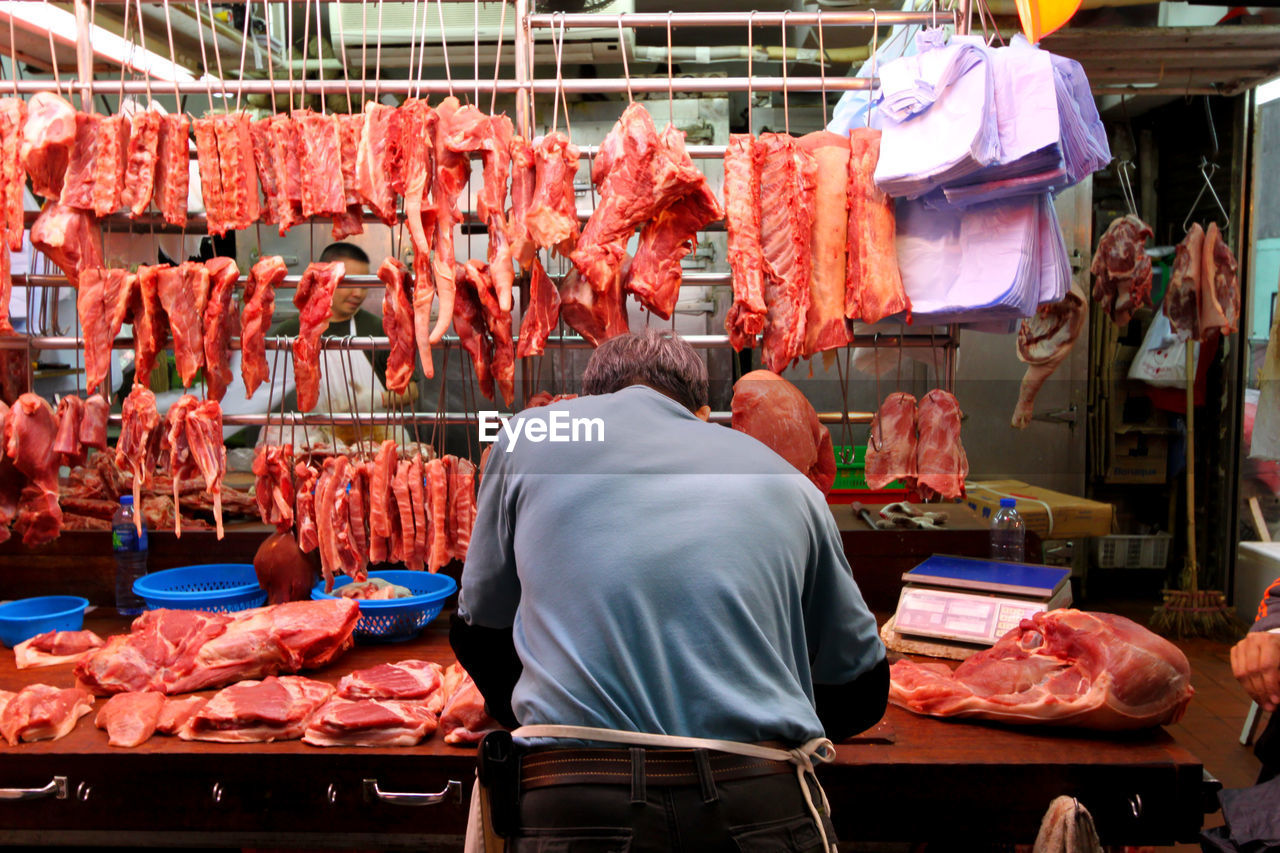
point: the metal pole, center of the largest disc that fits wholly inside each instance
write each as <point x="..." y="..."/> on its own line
<point x="730" y="19"/>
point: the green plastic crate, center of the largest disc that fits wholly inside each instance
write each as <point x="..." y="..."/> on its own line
<point x="851" y="469"/>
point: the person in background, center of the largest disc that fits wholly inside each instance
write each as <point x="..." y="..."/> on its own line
<point x="1255" y="662"/>
<point x="673" y="578"/>
<point x="351" y="380"/>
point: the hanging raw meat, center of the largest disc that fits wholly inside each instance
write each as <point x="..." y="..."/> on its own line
<point x="552" y="217"/>
<point x="48" y="136"/>
<point x="321" y="163"/>
<point x="403" y="520"/>
<point x="498" y="324"/>
<point x="437" y="498"/>
<point x="419" y="128"/>
<point x="1044" y="341"/>
<point x="215" y="207"/>
<point x="788" y="178"/>
<point x="656" y="273"/>
<point x="273" y="485"/>
<point x="825" y="326"/>
<point x="238" y="180"/>
<point x="891" y="448"/>
<point x="314" y="301"/>
<point x="473" y="334"/>
<point x="636" y="176"/>
<point x="267" y="171"/>
<point x="29" y="431"/>
<point x="1121" y="269"/>
<point x="541" y="315"/>
<point x="204" y="440"/>
<point x="140" y="161"/>
<point x="220" y="326"/>
<point x="462" y="506"/>
<point x="259" y="301"/>
<point x="397" y="323"/>
<point x="1220" y="286"/>
<point x="772" y="410"/>
<point x="93" y="424"/>
<point x="1061" y="668"/>
<point x="66" y="441"/>
<point x="351" y="220"/>
<point x="13" y="117"/>
<point x="941" y="464"/>
<point x="69" y="237"/>
<point x="491" y="205"/>
<point x="306" y="477"/>
<point x="873" y="283"/>
<point x="1182" y="296"/>
<point x="523" y="181"/>
<point x="150" y="326"/>
<point x="138" y="447"/>
<point x="379" y="132"/>
<point x="182" y="290"/>
<point x="746" y="316"/>
<point x="423" y="525"/>
<point x="595" y="316"/>
<point x="382" y="509"/>
<point x="284" y="151"/>
<point x="461" y="131"/>
<point x="102" y="300"/>
<point x="173" y="168"/>
<point x="175" y="442"/>
<point x="95" y="170"/>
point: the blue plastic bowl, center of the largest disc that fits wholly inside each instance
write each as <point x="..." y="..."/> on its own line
<point x="25" y="618"/>
<point x="398" y="619"/>
<point x="218" y="587"/>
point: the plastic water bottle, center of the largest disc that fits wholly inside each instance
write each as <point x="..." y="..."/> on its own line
<point x="1008" y="533"/>
<point x="130" y="550"/>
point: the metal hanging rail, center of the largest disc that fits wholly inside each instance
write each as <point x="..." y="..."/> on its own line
<point x="593" y="20"/>
<point x="424" y="419"/>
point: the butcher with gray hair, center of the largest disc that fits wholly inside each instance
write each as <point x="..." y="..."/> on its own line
<point x="665" y="610"/>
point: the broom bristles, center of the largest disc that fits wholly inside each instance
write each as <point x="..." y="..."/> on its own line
<point x="1195" y="613"/>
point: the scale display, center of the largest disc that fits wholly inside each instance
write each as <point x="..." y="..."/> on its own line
<point x="962" y="616"/>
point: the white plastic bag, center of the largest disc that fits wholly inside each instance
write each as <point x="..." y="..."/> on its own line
<point x="1162" y="358"/>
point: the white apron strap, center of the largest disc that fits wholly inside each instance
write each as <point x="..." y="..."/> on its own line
<point x="802" y="757"/>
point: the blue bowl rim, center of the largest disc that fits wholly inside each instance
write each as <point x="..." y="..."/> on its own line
<point x="144" y="586"/>
<point x="317" y="591"/>
<point x="79" y="604"/>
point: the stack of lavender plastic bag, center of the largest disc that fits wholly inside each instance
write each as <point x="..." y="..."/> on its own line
<point x="977" y="140"/>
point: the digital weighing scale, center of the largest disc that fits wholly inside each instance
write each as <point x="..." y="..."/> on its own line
<point x="976" y="601"/>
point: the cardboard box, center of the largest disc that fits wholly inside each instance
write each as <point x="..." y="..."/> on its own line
<point x="1050" y="514"/>
<point x="1137" y="456"/>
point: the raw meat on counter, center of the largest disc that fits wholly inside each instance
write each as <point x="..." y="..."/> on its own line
<point x="892" y="446"/>
<point x="54" y="647"/>
<point x="1121" y="269"/>
<point x="1044" y="341"/>
<point x="941" y="463"/>
<point x="130" y="718"/>
<point x="258" y="711"/>
<point x="406" y="679"/>
<point x="1063" y="667"/>
<point x="464" y="719"/>
<point x="369" y="722"/>
<point x="772" y="410"/>
<point x="176" y="712"/>
<point x="41" y="712"/>
<point x="179" y="651"/>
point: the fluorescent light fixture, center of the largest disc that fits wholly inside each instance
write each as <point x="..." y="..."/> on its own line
<point x="1268" y="92"/>
<point x="41" y="18"/>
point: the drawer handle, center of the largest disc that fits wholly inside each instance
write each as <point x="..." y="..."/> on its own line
<point x="56" y="788"/>
<point x="399" y="798"/>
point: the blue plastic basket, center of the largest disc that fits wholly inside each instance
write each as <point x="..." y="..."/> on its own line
<point x="218" y="587"/>
<point x="25" y="618"/>
<point x="398" y="619"/>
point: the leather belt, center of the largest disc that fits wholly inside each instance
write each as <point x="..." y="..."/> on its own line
<point x="543" y="768"/>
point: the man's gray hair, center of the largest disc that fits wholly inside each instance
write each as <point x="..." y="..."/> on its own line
<point x="662" y="360"/>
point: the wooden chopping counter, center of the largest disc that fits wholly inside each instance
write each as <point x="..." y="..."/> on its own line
<point x="909" y="779"/>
